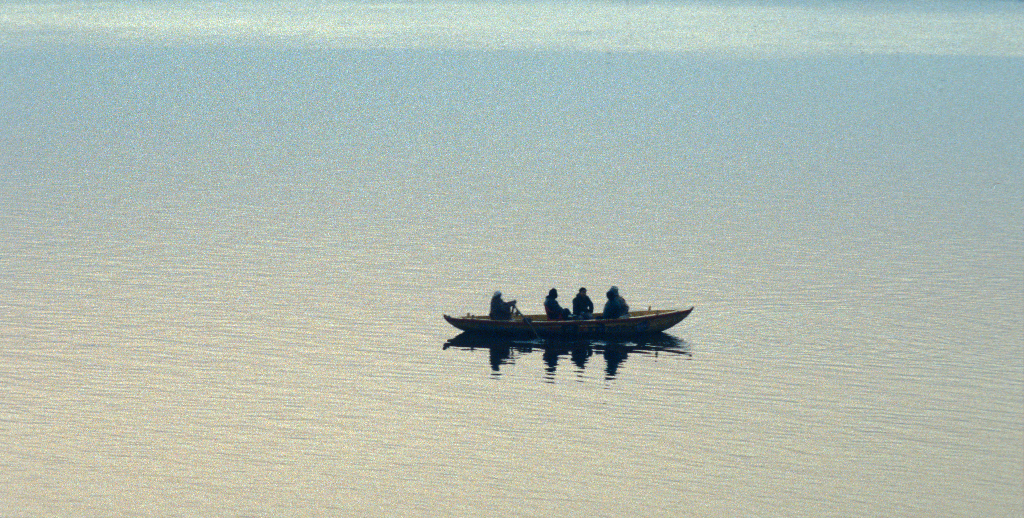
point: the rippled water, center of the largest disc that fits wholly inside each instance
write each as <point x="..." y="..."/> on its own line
<point x="224" y="270"/>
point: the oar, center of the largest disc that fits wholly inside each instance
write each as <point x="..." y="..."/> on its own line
<point x="528" y="322"/>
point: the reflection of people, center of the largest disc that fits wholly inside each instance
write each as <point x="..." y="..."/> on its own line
<point x="501" y="310"/>
<point x="614" y="355"/>
<point x="616" y="306"/>
<point x="582" y="306"/>
<point x="499" y="356"/>
<point x="554" y="310"/>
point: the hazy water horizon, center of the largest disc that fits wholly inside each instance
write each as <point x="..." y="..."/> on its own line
<point x="740" y="29"/>
<point x="228" y="238"/>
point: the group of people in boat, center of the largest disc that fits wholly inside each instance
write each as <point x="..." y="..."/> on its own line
<point x="582" y="306"/>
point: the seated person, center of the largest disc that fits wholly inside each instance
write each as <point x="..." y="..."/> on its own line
<point x="616" y="306"/>
<point x="553" y="309"/>
<point x="582" y="306"/>
<point x="501" y="310"/>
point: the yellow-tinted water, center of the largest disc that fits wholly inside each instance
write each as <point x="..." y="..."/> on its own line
<point x="224" y="265"/>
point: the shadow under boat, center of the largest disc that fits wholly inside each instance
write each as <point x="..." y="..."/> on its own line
<point x="503" y="350"/>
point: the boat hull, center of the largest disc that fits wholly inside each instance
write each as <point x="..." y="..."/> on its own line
<point x="639" y="323"/>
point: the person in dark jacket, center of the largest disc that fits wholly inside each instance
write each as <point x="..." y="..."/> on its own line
<point x="501" y="310"/>
<point x="582" y="306"/>
<point x="554" y="310"/>
<point x="616" y="306"/>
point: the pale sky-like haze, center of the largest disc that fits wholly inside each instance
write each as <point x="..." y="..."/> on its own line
<point x="742" y="29"/>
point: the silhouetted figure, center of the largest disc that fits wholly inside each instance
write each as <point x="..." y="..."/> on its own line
<point x="616" y="306"/>
<point x="501" y="310"/>
<point x="582" y="306"/>
<point x="554" y="310"/>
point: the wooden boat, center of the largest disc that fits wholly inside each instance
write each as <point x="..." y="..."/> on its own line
<point x="637" y="324"/>
<point x="652" y="343"/>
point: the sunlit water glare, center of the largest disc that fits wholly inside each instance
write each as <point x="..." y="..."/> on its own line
<point x="230" y="231"/>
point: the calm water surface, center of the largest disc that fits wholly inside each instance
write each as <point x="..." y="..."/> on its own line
<point x="224" y="269"/>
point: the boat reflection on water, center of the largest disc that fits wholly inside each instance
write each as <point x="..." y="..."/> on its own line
<point x="504" y="350"/>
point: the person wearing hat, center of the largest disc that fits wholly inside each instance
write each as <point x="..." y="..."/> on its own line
<point x="501" y="310"/>
<point x="582" y="306"/>
<point x="616" y="306"/>
<point x="554" y="310"/>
